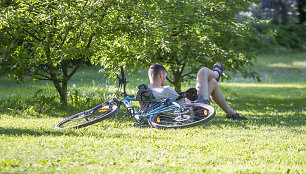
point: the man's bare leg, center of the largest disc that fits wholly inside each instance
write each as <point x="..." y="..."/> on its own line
<point x="207" y="86"/>
<point x="218" y="98"/>
<point x="203" y="76"/>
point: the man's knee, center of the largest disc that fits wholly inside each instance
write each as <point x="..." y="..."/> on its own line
<point x="203" y="71"/>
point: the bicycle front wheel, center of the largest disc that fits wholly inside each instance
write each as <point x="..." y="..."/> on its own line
<point x="88" y="117"/>
<point x="195" y="114"/>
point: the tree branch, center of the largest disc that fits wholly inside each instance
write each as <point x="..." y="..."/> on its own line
<point x="177" y="33"/>
<point x="52" y="71"/>
<point x="31" y="34"/>
<point x="171" y="81"/>
<point x="64" y="39"/>
<point x="188" y="75"/>
<point x="90" y="40"/>
<point x="76" y="68"/>
<point x="94" y="12"/>
<point x="85" y="5"/>
<point x="38" y="74"/>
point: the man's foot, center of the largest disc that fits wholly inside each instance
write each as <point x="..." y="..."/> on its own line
<point x="219" y="68"/>
<point x="236" y="117"/>
<point x="140" y="124"/>
<point x="201" y="99"/>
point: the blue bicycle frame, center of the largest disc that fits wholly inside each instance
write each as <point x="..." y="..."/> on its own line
<point x="133" y="112"/>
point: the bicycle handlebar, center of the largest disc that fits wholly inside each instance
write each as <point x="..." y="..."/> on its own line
<point x="122" y="81"/>
<point x="122" y="72"/>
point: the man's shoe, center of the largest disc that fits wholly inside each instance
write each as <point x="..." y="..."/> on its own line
<point x="219" y="68"/>
<point x="201" y="99"/>
<point x="236" y="117"/>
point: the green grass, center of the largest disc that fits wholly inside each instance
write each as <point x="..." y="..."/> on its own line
<point x="271" y="141"/>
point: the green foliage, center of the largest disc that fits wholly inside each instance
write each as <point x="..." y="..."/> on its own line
<point x="291" y="35"/>
<point x="38" y="104"/>
<point x="49" y="40"/>
<point x="265" y="40"/>
<point x="84" y="98"/>
<point x="42" y="102"/>
<point x="189" y="35"/>
<point x="273" y="37"/>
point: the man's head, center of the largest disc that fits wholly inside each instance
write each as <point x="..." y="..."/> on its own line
<point x="157" y="73"/>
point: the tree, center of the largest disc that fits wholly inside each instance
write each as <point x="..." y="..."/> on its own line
<point x="283" y="11"/>
<point x="283" y="8"/>
<point x="302" y="11"/>
<point x="187" y="35"/>
<point x="50" y="40"/>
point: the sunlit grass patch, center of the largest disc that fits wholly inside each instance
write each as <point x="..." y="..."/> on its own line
<point x="295" y="64"/>
<point x="112" y="146"/>
<point x="277" y="68"/>
<point x="259" y="100"/>
<point x="268" y="85"/>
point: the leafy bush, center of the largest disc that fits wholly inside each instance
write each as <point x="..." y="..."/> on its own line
<point x="266" y="37"/>
<point x="36" y="105"/>
<point x="78" y="97"/>
<point x="291" y="35"/>
<point x="271" y="37"/>
<point x="44" y="102"/>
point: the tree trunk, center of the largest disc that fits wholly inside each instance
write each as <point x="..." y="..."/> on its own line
<point x="62" y="91"/>
<point x="283" y="11"/>
<point x="177" y="86"/>
<point x="177" y="82"/>
<point x="302" y="11"/>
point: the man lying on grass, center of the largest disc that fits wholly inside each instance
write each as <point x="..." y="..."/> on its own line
<point x="207" y="87"/>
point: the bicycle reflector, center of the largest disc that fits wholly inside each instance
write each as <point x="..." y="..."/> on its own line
<point x="205" y="112"/>
<point x="102" y="110"/>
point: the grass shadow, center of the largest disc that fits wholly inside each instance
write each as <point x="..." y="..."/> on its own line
<point x="32" y="132"/>
<point x="99" y="131"/>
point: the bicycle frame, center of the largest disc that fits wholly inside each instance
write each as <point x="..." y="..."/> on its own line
<point x="159" y="110"/>
<point x="133" y="112"/>
<point x="158" y="113"/>
<point x="128" y="106"/>
<point x="131" y="109"/>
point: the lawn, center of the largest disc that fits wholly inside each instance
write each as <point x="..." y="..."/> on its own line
<point x="271" y="141"/>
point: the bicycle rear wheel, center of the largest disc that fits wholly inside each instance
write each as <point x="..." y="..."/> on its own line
<point x="196" y="114"/>
<point x="88" y="117"/>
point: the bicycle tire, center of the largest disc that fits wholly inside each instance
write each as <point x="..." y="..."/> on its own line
<point x="184" y="120"/>
<point x="83" y="119"/>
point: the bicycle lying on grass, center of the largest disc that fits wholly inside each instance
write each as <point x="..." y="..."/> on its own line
<point x="167" y="113"/>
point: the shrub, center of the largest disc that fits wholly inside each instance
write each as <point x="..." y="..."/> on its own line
<point x="291" y="36"/>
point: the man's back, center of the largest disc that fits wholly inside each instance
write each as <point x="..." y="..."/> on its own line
<point x="164" y="92"/>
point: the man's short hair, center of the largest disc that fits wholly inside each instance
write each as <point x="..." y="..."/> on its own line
<point x="155" y="69"/>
